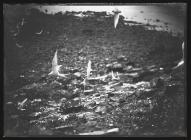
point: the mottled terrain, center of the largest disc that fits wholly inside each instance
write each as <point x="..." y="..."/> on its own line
<point x="147" y="98"/>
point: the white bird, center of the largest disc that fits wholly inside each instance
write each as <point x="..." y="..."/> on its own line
<point x="89" y="69"/>
<point x="21" y="104"/>
<point x="22" y="22"/>
<point x="113" y="77"/>
<point x="182" y="60"/>
<point x="183" y="50"/>
<point x="116" y="17"/>
<point x="18" y="45"/>
<point x="56" y="67"/>
<point x="39" y="32"/>
<point x="179" y="64"/>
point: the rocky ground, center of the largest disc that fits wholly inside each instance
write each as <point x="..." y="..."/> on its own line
<point x="144" y="98"/>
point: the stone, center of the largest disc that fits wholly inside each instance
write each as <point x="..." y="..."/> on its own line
<point x="117" y="66"/>
<point x="108" y="65"/>
<point x="55" y="84"/>
<point x="77" y="74"/>
<point x="65" y="93"/>
<point x="63" y="100"/>
<point x="121" y="58"/>
<point x="76" y="102"/>
<point x="91" y="123"/>
<point x="90" y="104"/>
<point x="90" y="116"/>
<point x="74" y="82"/>
<point x="128" y="68"/>
<point x="116" y="99"/>
<point x="157" y="82"/>
<point x="160" y="83"/>
<point x="87" y="92"/>
<point x="101" y="109"/>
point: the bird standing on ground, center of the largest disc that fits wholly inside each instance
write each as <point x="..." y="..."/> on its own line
<point x="23" y="22"/>
<point x="116" y="18"/>
<point x="182" y="60"/>
<point x="89" y="69"/>
<point x="183" y="50"/>
<point x="113" y="77"/>
<point x="56" y="67"/>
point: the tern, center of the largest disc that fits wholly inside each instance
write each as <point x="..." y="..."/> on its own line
<point x="182" y="60"/>
<point x="116" y="18"/>
<point x="89" y="69"/>
<point x="56" y="67"/>
<point x="113" y="77"/>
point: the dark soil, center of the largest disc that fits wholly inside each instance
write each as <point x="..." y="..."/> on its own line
<point x="148" y="99"/>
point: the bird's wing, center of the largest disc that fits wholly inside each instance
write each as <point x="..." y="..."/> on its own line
<point x="183" y="50"/>
<point x="89" y="69"/>
<point x="55" y="60"/>
<point x="179" y="64"/>
<point x="116" y="19"/>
